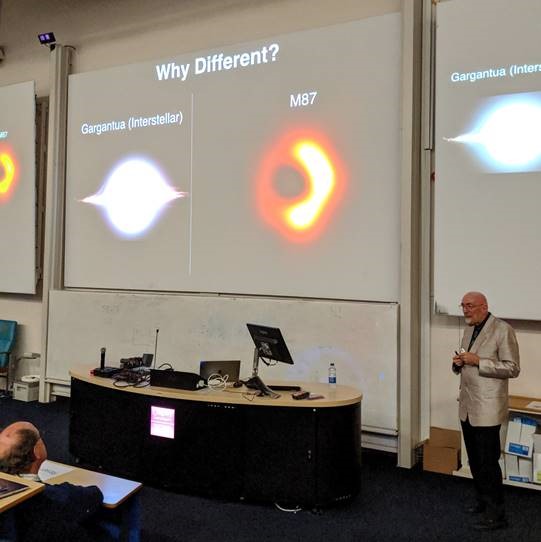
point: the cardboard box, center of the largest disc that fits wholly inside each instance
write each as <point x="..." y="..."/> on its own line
<point x="511" y="466"/>
<point x="441" y="453"/>
<point x="513" y="435"/>
<point x="537" y="443"/>
<point x="518" y="469"/>
<point x="527" y="431"/>
<point x="519" y="441"/>
<point x="26" y="391"/>
<point x="525" y="469"/>
<point x="536" y="474"/>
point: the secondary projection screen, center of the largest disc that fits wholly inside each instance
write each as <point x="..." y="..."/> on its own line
<point x="18" y="188"/>
<point x="266" y="168"/>
<point x="488" y="155"/>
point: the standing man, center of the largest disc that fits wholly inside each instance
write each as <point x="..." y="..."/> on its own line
<point x="487" y="359"/>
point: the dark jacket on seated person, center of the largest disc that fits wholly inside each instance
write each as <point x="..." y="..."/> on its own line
<point x="63" y="513"/>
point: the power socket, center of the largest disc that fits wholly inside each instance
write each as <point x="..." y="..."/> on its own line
<point x="31" y="355"/>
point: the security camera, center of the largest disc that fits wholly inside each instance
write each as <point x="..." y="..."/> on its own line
<point x="47" y="39"/>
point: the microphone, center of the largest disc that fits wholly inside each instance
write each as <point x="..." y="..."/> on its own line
<point x="156" y="348"/>
<point x="102" y="370"/>
<point x="102" y="358"/>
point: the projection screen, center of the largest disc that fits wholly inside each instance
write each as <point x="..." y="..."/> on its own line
<point x="18" y="188"/>
<point x="488" y="155"/>
<point x="269" y="167"/>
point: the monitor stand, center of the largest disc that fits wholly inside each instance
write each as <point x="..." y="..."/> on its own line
<point x="255" y="383"/>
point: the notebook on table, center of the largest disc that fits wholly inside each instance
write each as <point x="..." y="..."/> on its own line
<point x="231" y="368"/>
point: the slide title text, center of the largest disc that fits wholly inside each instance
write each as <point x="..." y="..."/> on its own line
<point x="217" y="62"/>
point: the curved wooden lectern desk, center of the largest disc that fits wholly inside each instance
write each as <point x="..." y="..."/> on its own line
<point x="227" y="444"/>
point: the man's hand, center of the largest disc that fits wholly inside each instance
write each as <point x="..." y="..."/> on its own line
<point x="457" y="360"/>
<point x="468" y="358"/>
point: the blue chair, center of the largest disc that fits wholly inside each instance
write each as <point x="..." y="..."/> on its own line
<point x="8" y="332"/>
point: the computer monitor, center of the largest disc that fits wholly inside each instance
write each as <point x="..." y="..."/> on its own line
<point x="269" y="345"/>
<point x="229" y="369"/>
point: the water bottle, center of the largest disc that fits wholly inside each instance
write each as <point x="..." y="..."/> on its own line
<point x="332" y="374"/>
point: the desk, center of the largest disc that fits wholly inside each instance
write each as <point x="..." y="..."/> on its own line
<point x="9" y="502"/>
<point x="7" y="520"/>
<point x="304" y="453"/>
<point x="116" y="491"/>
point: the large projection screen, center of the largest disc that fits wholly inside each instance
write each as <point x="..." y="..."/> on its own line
<point x="18" y="188"/>
<point x="269" y="168"/>
<point x="488" y="155"/>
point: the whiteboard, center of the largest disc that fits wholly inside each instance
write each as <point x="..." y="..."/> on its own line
<point x="360" y="338"/>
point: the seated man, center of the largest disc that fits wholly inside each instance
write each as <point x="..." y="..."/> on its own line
<point x="64" y="511"/>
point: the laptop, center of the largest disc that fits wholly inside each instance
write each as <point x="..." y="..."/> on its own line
<point x="231" y="368"/>
<point x="8" y="488"/>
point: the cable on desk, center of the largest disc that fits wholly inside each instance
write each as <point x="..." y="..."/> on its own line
<point x="248" y="395"/>
<point x="291" y="510"/>
<point x="144" y="383"/>
<point x="129" y="378"/>
<point x="217" y="382"/>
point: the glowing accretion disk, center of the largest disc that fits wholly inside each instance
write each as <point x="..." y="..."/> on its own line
<point x="133" y="196"/>
<point x="510" y="135"/>
<point x="321" y="177"/>
<point x="9" y="173"/>
<point x="303" y="217"/>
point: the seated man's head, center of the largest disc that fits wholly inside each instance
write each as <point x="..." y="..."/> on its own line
<point x="22" y="449"/>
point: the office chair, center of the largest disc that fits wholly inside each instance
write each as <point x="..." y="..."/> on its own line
<point x="8" y="331"/>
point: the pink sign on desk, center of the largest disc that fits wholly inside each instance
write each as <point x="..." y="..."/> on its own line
<point x="162" y="422"/>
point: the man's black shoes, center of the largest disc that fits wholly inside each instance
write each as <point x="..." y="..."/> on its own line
<point x="490" y="524"/>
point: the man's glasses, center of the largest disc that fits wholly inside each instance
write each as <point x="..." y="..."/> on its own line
<point x="468" y="306"/>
